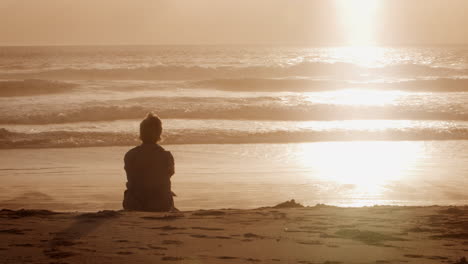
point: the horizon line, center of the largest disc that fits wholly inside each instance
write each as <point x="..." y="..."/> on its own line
<point x="240" y="44"/>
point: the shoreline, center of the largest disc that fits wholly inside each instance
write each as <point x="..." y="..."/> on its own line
<point x="71" y="146"/>
<point x="286" y="233"/>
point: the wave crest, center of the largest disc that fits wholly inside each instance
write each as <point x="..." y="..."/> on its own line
<point x="338" y="70"/>
<point x="308" y="85"/>
<point x="304" y="113"/>
<point x="86" y="139"/>
<point x="257" y="108"/>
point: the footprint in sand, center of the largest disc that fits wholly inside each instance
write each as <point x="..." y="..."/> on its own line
<point x="21" y="245"/>
<point x="64" y="243"/>
<point x="124" y="253"/>
<point x="168" y="228"/>
<point x="222" y="237"/>
<point x="207" y="228"/>
<point x="252" y="260"/>
<point x="169" y="258"/>
<point x="311" y="242"/>
<point x="57" y="254"/>
<point x="252" y="235"/>
<point x="172" y="242"/>
<point x="413" y="256"/>
<point x="156" y="247"/>
<point x="13" y="231"/>
<point x="437" y="257"/>
<point x="198" y="236"/>
<point x="205" y="236"/>
<point x="227" y="257"/>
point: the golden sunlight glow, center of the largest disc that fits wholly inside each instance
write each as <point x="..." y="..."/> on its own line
<point x="358" y="19"/>
<point x="355" y="97"/>
<point x="367" y="166"/>
<point x="366" y="56"/>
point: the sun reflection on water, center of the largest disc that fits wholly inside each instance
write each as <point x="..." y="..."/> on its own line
<point x="365" y="56"/>
<point x="365" y="167"/>
<point x="355" y="97"/>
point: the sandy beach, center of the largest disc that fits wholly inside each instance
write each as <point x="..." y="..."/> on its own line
<point x="280" y="234"/>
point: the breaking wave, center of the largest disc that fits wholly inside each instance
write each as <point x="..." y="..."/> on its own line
<point x="240" y="111"/>
<point x="308" y="85"/>
<point x="338" y="70"/>
<point x="10" y="139"/>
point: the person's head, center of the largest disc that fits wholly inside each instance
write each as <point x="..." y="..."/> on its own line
<point x="150" y="129"/>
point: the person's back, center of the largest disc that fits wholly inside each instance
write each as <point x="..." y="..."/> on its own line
<point x="149" y="168"/>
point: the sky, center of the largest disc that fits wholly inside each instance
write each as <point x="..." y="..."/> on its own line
<point x="233" y="22"/>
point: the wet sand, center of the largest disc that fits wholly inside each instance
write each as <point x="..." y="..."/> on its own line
<point x="319" y="234"/>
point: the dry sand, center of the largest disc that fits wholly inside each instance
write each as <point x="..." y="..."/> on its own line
<point x="319" y="234"/>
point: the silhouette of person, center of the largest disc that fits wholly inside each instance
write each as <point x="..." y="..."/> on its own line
<point x="149" y="168"/>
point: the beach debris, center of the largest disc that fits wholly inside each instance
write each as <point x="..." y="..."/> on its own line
<point x="289" y="204"/>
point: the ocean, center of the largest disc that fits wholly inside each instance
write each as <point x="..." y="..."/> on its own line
<point x="249" y="126"/>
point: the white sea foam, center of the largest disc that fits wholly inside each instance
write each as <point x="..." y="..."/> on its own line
<point x="226" y="85"/>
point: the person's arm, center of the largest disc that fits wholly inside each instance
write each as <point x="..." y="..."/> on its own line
<point x="171" y="164"/>
<point x="128" y="168"/>
<point x="171" y="167"/>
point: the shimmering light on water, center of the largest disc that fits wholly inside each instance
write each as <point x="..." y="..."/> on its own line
<point x="247" y="175"/>
<point x="366" y="56"/>
<point x="356" y="97"/>
<point x="366" y="167"/>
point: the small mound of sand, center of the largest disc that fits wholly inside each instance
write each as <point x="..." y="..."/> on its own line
<point x="100" y="214"/>
<point x="25" y="213"/>
<point x="289" y="204"/>
<point x="208" y="212"/>
<point x="167" y="217"/>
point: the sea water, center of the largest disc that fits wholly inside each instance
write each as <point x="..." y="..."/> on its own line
<point x="248" y="126"/>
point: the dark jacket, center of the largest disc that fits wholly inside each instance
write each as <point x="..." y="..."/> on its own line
<point x="149" y="169"/>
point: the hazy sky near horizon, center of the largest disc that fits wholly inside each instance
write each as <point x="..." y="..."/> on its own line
<point x="280" y="22"/>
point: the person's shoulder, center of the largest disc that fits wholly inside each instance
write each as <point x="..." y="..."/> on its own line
<point x="132" y="151"/>
<point x="166" y="152"/>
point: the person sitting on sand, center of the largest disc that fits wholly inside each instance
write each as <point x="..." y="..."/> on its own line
<point x="149" y="168"/>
